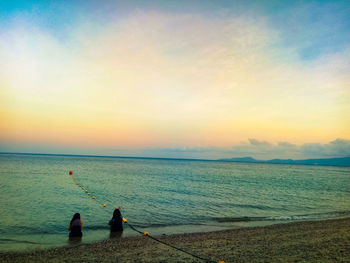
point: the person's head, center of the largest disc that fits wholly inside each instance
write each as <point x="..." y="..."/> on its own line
<point x="116" y="213"/>
<point x="76" y="216"/>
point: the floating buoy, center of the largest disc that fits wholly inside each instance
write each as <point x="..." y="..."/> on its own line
<point x="85" y="191"/>
<point x="93" y="197"/>
<point x="70" y="172"/>
<point x="88" y="193"/>
<point x="104" y="205"/>
<point x="82" y="188"/>
<point x="145" y="233"/>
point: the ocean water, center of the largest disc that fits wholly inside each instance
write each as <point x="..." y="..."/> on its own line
<point x="38" y="197"/>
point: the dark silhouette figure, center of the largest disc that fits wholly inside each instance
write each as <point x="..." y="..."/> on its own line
<point x="116" y="223"/>
<point x="75" y="227"/>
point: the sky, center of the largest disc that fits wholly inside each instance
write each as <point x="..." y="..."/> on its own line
<point x="176" y="79"/>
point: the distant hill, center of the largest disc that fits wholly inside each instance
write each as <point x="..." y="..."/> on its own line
<point x="345" y="161"/>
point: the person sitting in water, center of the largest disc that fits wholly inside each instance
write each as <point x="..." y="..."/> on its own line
<point x="116" y="222"/>
<point x="76" y="226"/>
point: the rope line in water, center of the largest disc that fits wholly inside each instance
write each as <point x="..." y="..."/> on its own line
<point x="84" y="188"/>
<point x="167" y="244"/>
<point x="146" y="233"/>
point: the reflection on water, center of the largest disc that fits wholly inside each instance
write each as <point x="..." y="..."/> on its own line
<point x="74" y="240"/>
<point x="116" y="234"/>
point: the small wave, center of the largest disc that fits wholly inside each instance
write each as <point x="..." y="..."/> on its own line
<point x="234" y="219"/>
<point x="96" y="227"/>
<point x="195" y="221"/>
<point x="325" y="215"/>
<point x="261" y="207"/>
<point x="6" y="240"/>
<point x="25" y="172"/>
<point x="30" y="230"/>
<point x="145" y="225"/>
<point x="252" y="206"/>
<point x="315" y="216"/>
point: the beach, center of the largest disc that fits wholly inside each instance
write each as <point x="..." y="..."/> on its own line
<point x="312" y="241"/>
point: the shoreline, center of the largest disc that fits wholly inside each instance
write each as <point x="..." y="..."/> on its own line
<point x="308" y="241"/>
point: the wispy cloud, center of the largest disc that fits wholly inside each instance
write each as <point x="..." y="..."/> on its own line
<point x="338" y="147"/>
<point x="255" y="148"/>
<point x="259" y="143"/>
<point x="165" y="79"/>
<point x="265" y="150"/>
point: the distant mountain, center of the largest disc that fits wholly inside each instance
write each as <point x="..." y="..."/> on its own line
<point x="345" y="161"/>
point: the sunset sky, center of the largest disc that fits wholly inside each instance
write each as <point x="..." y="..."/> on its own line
<point x="183" y="79"/>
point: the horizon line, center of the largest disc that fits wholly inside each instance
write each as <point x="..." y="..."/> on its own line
<point x="109" y="156"/>
<point x="161" y="158"/>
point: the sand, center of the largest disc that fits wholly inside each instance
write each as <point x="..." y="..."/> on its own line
<point x="317" y="241"/>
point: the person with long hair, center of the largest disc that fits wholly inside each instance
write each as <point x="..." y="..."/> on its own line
<point x="116" y="222"/>
<point x="76" y="226"/>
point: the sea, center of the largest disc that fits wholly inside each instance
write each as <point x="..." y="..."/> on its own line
<point x="38" y="196"/>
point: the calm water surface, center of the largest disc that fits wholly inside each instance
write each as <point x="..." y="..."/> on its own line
<point x="38" y="197"/>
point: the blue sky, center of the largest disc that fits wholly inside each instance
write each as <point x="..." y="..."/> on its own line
<point x="310" y="28"/>
<point x="196" y="79"/>
<point x="313" y="27"/>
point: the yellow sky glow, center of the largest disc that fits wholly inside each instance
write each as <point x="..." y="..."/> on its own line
<point x="154" y="80"/>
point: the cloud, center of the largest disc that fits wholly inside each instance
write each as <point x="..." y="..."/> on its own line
<point x="151" y="78"/>
<point x="286" y="145"/>
<point x="259" y="143"/>
<point x="265" y="150"/>
<point x="262" y="151"/>
<point x="336" y="148"/>
<point x="259" y="150"/>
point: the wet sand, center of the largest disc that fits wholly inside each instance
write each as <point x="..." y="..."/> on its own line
<point x="317" y="241"/>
